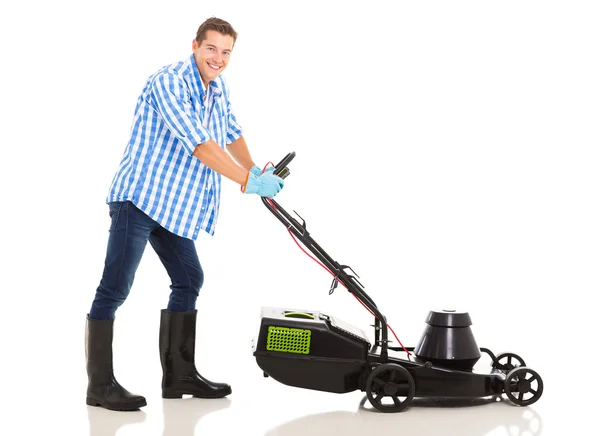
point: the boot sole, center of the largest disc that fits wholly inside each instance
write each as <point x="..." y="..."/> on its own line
<point x="127" y="407"/>
<point x="180" y="394"/>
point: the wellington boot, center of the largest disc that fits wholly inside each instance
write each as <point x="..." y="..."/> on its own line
<point x="177" y="343"/>
<point x="103" y="389"/>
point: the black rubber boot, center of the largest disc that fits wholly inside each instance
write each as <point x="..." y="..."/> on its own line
<point x="177" y="345"/>
<point x="103" y="389"/>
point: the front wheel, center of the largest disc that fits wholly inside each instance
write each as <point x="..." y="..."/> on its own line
<point x="506" y="362"/>
<point x="523" y="386"/>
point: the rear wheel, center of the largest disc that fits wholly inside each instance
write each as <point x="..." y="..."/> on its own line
<point x="390" y="388"/>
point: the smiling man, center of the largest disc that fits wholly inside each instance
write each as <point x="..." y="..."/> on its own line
<point x="212" y="54"/>
<point x="165" y="191"/>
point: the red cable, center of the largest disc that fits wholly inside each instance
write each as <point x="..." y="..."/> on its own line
<point x="327" y="269"/>
<point x="265" y="167"/>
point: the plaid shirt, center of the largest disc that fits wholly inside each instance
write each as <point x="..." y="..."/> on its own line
<point x="158" y="172"/>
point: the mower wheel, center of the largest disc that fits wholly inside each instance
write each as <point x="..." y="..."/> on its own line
<point x="506" y="362"/>
<point x="523" y="386"/>
<point x="392" y="381"/>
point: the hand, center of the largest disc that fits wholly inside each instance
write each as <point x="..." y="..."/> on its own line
<point x="257" y="171"/>
<point x="265" y="184"/>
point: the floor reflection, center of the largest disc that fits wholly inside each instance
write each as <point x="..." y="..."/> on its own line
<point x="105" y="422"/>
<point x="182" y="415"/>
<point x="449" y="417"/>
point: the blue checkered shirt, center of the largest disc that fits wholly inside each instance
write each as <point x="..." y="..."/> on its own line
<point x="158" y="172"/>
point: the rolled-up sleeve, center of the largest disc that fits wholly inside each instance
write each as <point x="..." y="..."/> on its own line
<point x="172" y="100"/>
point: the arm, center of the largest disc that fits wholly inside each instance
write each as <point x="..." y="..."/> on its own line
<point x="171" y="99"/>
<point x="214" y="157"/>
<point x="239" y="150"/>
<point x="219" y="160"/>
<point x="172" y="102"/>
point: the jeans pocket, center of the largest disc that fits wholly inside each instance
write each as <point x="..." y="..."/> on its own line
<point x="114" y="209"/>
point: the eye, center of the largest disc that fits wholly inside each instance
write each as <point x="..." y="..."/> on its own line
<point x="226" y="53"/>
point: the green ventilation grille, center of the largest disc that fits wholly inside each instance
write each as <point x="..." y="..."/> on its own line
<point x="288" y="340"/>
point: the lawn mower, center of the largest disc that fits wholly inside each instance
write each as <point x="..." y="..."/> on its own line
<point x="313" y="350"/>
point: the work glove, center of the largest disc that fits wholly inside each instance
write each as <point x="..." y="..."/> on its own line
<point x="257" y="171"/>
<point x="265" y="184"/>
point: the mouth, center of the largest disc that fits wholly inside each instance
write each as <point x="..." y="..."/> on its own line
<point x="213" y="66"/>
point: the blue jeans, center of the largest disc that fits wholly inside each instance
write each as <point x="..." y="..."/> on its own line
<point x="130" y="230"/>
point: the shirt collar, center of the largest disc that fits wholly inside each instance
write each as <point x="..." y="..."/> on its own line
<point x="214" y="86"/>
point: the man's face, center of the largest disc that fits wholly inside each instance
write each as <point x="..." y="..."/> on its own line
<point x="212" y="54"/>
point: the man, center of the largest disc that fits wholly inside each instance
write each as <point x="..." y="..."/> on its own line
<point x="166" y="190"/>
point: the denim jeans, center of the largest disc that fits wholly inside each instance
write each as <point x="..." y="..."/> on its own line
<point x="130" y="230"/>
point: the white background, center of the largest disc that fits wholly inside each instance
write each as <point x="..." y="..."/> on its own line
<point x="446" y="151"/>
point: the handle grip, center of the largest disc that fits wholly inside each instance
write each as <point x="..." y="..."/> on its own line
<point x="281" y="168"/>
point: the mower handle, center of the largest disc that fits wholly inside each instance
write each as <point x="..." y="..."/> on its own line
<point x="353" y="285"/>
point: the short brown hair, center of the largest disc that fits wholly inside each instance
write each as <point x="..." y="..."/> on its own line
<point x="218" y="25"/>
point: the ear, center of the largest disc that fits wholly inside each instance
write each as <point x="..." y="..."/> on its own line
<point x="195" y="45"/>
